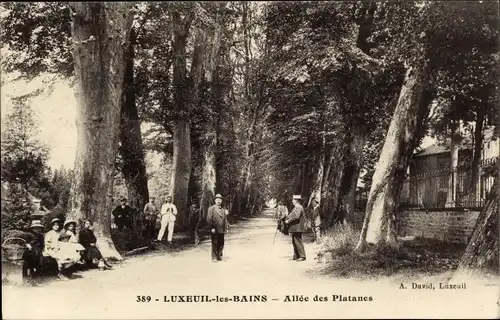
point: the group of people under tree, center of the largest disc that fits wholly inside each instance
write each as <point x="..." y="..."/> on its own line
<point x="68" y="247"/>
<point x="216" y="220"/>
<point x="65" y="246"/>
<point x="155" y="222"/>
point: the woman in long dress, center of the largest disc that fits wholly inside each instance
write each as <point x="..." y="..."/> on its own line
<point x="56" y="247"/>
<point x="88" y="240"/>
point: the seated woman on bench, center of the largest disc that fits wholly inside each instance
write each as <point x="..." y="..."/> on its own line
<point x="88" y="240"/>
<point x="63" y="252"/>
<point x="72" y="239"/>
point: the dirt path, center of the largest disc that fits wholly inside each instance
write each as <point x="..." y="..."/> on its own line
<point x="250" y="268"/>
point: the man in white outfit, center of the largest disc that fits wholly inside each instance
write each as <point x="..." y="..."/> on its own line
<point x="168" y="214"/>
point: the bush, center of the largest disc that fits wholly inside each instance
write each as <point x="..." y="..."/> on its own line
<point x="16" y="215"/>
<point x="57" y="212"/>
<point x="340" y="240"/>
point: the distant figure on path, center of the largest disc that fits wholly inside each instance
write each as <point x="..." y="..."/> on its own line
<point x="194" y="216"/>
<point x="150" y="213"/>
<point x="316" y="220"/>
<point x="217" y="221"/>
<point x="281" y="214"/>
<point x="295" y="222"/>
<point x="168" y="215"/>
<point x="123" y="215"/>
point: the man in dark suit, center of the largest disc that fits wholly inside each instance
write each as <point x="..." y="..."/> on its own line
<point x="123" y="215"/>
<point x="150" y="216"/>
<point x="194" y="216"/>
<point x="33" y="255"/>
<point x="217" y="221"/>
<point x="295" y="222"/>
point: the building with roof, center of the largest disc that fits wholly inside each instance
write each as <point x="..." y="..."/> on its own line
<point x="39" y="210"/>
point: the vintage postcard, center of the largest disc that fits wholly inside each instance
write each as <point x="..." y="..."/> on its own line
<point x="250" y="160"/>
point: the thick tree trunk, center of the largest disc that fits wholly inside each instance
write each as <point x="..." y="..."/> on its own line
<point x="318" y="179"/>
<point x="452" y="179"/>
<point x="209" y="175"/>
<point x="185" y="95"/>
<point x="356" y="157"/>
<point x="332" y="189"/>
<point x="131" y="148"/>
<point x="481" y="254"/>
<point x="476" y="159"/>
<point x="250" y="150"/>
<point x="248" y="169"/>
<point x="181" y="168"/>
<point x="304" y="178"/>
<point x="252" y="114"/>
<point x="316" y="190"/>
<point x="181" y="163"/>
<point x="350" y="198"/>
<point x="402" y="137"/>
<point x="351" y="173"/>
<point x="247" y="44"/>
<point x="328" y="168"/>
<point x="247" y="203"/>
<point x="100" y="35"/>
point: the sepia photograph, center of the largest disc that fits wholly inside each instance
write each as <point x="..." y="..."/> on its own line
<point x="250" y="159"/>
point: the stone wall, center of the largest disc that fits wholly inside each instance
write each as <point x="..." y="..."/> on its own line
<point x="449" y="225"/>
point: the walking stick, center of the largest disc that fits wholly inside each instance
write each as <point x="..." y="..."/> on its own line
<point x="275" y="233"/>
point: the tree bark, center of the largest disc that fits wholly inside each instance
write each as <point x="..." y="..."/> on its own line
<point x="328" y="168"/>
<point x="131" y="148"/>
<point x="452" y="179"/>
<point x="356" y="163"/>
<point x="185" y="95"/>
<point x="481" y="254"/>
<point x="318" y="179"/>
<point x="251" y="111"/>
<point x="320" y="172"/>
<point x="100" y="35"/>
<point x="476" y="159"/>
<point x="248" y="168"/>
<point x="332" y="189"/>
<point x="247" y="43"/>
<point x="401" y="139"/>
<point x="209" y="175"/>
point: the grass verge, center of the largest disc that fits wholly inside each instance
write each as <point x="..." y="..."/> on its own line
<point x="409" y="258"/>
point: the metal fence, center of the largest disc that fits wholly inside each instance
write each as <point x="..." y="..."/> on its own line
<point x="445" y="188"/>
<point x="450" y="188"/>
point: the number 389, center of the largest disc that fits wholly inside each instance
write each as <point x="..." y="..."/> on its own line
<point x="143" y="299"/>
